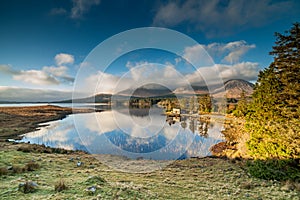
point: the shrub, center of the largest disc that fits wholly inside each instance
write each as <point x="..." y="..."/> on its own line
<point x="3" y="171"/>
<point x="32" y="166"/>
<point x="18" y="169"/>
<point x="60" y="186"/>
<point x="274" y="169"/>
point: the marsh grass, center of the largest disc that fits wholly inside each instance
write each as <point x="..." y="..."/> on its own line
<point x="206" y="178"/>
<point x="60" y="186"/>
<point x="3" y="171"/>
<point x="32" y="166"/>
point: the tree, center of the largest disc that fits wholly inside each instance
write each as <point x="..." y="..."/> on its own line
<point x="273" y="120"/>
<point x="205" y="103"/>
<point x="242" y="106"/>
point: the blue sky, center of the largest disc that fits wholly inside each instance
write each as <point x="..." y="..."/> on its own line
<point x="45" y="42"/>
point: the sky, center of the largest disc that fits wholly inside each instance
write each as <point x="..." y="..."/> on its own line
<point x="47" y="47"/>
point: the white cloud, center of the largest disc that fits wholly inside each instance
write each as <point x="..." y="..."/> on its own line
<point x="144" y="73"/>
<point x="102" y="83"/>
<point x="60" y="73"/>
<point x="245" y="70"/>
<point x="7" y="69"/>
<point x="197" y="55"/>
<point x="139" y="74"/>
<point x="81" y="7"/>
<point x="231" y="51"/>
<point x="218" y="17"/>
<point x="58" y="11"/>
<point x="64" y="58"/>
<point x="57" y="71"/>
<point x="35" y="77"/>
<point x="48" y="75"/>
<point x="27" y="94"/>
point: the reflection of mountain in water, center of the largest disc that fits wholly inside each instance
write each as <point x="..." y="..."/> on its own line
<point x="119" y="133"/>
<point x="137" y="145"/>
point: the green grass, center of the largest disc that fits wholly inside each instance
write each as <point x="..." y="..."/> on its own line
<point x="208" y="178"/>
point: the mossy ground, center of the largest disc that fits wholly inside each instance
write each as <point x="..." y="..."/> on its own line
<point x="206" y="178"/>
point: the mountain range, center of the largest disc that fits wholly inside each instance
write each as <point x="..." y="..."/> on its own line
<point x="231" y="89"/>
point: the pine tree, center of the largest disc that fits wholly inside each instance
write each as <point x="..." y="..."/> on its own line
<point x="273" y="121"/>
<point x="242" y="106"/>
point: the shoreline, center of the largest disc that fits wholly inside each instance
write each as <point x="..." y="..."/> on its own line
<point x="16" y="121"/>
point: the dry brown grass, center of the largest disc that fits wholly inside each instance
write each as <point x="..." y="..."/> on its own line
<point x="3" y="171"/>
<point x="60" y="186"/>
<point x="32" y="166"/>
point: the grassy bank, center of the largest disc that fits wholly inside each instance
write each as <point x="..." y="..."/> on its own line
<point x="206" y="178"/>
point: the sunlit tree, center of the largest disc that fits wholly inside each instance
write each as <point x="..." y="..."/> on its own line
<point x="273" y="121"/>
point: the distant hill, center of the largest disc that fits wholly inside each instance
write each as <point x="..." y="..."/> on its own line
<point x="99" y="98"/>
<point x="150" y="90"/>
<point x="234" y="88"/>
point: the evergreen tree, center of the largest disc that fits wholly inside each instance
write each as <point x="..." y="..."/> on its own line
<point x="273" y="121"/>
<point x="242" y="106"/>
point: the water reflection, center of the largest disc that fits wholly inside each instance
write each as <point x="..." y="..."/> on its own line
<point x="132" y="134"/>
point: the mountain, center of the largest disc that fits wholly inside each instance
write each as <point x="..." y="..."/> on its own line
<point x="234" y="88"/>
<point x="150" y="90"/>
<point x="99" y="98"/>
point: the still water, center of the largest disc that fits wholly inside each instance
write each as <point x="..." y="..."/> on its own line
<point x="135" y="133"/>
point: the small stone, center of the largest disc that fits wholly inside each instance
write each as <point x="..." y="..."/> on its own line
<point x="10" y="168"/>
<point x="79" y="164"/>
<point x="71" y="159"/>
<point x="247" y="195"/>
<point x="91" y="190"/>
<point x="77" y="158"/>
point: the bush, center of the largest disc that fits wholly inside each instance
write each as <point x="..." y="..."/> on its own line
<point x="32" y="166"/>
<point x="3" y="171"/>
<point x="273" y="169"/>
<point x="18" y="169"/>
<point x="60" y="186"/>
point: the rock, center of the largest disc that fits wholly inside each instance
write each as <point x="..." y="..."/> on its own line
<point x="28" y="187"/>
<point x="79" y="164"/>
<point x="77" y="158"/>
<point x="10" y="168"/>
<point x="91" y="190"/>
<point x="71" y="159"/>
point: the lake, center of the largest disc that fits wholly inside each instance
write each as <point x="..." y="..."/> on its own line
<point x="131" y="133"/>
